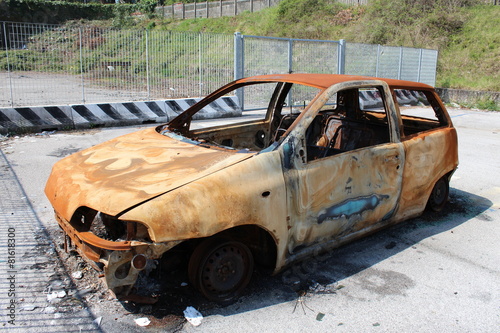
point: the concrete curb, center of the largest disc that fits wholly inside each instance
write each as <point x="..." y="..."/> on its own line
<point x="48" y="118"/>
<point x="461" y="96"/>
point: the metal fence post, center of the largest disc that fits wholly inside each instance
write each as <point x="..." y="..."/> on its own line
<point x="239" y="70"/>
<point x="200" y="68"/>
<point x="378" y="61"/>
<point x="400" y="62"/>
<point x="341" y="57"/>
<point x="235" y="8"/>
<point x="419" y="65"/>
<point x="80" y="46"/>
<point x="400" y="68"/>
<point x="8" y="64"/>
<point x="220" y="5"/>
<point x="290" y="56"/>
<point x="147" y="65"/>
<point x="290" y="67"/>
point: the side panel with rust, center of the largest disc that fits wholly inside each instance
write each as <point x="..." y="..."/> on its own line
<point x="429" y="156"/>
<point x="343" y="194"/>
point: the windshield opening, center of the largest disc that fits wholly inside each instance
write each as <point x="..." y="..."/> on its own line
<point x="267" y="110"/>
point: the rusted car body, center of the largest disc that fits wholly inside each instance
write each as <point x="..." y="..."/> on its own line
<point x="326" y="159"/>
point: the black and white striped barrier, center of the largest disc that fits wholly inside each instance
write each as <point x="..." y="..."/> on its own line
<point x="372" y="100"/>
<point x="45" y="118"/>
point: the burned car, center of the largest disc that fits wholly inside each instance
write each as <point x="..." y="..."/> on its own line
<point x="316" y="161"/>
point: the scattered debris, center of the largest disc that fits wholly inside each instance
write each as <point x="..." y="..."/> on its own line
<point x="84" y="292"/>
<point x="45" y="133"/>
<point x="77" y="275"/>
<point x="193" y="316"/>
<point x="317" y="288"/>
<point x="320" y="316"/>
<point x="376" y="324"/>
<point x="98" y="321"/>
<point x="142" y="321"/>
<point x="139" y="299"/>
<point x="49" y="309"/>
<point x="28" y="307"/>
<point x="56" y="294"/>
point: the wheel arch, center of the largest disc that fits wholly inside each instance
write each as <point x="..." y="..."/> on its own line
<point x="446" y="176"/>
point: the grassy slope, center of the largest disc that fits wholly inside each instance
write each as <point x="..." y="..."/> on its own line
<point x="472" y="58"/>
<point x="468" y="38"/>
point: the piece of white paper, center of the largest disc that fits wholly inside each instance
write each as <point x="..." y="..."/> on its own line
<point x="142" y="321"/>
<point x="193" y="316"/>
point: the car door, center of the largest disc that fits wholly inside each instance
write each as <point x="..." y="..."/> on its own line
<point x="343" y="193"/>
<point x="430" y="142"/>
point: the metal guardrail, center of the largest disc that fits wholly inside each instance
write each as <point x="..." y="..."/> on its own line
<point x="44" y="64"/>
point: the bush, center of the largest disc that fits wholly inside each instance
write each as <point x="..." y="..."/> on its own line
<point x="52" y="12"/>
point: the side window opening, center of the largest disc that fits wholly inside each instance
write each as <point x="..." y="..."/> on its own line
<point x="357" y="120"/>
<point x="419" y="111"/>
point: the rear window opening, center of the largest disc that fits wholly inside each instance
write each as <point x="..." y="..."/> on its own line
<point x="419" y="111"/>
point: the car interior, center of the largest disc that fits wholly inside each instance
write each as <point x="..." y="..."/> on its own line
<point x="353" y="118"/>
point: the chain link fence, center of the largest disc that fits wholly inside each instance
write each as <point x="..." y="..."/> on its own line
<point x="401" y="63"/>
<point x="53" y="65"/>
<point x="56" y="65"/>
<point x="270" y="55"/>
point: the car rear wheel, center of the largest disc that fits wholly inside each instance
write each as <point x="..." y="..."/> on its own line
<point x="220" y="269"/>
<point x="439" y="195"/>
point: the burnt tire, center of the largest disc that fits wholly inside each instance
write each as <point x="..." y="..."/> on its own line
<point x="221" y="269"/>
<point x="439" y="195"/>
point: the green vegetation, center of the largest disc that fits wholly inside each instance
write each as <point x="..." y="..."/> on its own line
<point x="472" y="57"/>
<point x="484" y="104"/>
<point x="466" y="34"/>
<point x="54" y="12"/>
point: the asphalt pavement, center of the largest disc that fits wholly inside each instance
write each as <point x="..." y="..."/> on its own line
<point x="439" y="272"/>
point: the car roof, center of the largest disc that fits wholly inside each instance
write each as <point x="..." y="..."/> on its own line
<point x="324" y="81"/>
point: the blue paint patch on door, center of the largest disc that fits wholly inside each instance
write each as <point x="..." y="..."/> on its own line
<point x="352" y="207"/>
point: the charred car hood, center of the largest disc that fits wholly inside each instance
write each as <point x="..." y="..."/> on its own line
<point x="121" y="173"/>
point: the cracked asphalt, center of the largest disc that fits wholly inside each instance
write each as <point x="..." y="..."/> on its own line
<point x="438" y="272"/>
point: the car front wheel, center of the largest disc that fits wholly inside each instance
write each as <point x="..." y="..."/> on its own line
<point x="220" y="269"/>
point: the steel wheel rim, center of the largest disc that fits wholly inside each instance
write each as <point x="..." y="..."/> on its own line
<point x="225" y="270"/>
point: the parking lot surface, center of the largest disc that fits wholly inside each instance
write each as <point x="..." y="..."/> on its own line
<point x="438" y="272"/>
